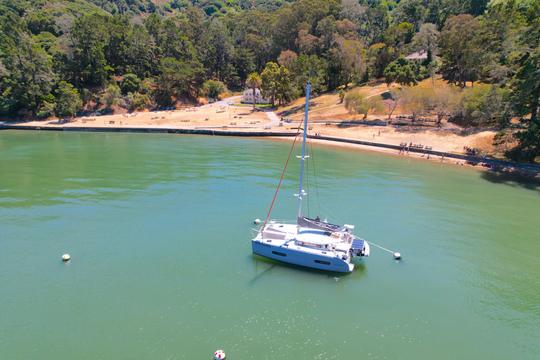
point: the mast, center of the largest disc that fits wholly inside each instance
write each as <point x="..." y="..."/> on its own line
<point x="303" y="157"/>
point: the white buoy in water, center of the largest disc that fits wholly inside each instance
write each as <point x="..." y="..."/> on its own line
<point x="219" y="355"/>
<point x="66" y="257"/>
<point x="397" y="256"/>
<point x="257" y="221"/>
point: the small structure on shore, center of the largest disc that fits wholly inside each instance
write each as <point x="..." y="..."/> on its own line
<point x="420" y="55"/>
<point x="247" y="97"/>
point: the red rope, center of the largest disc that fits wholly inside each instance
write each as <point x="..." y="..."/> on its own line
<point x="280" y="180"/>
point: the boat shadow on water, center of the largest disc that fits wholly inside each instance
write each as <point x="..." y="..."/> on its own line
<point x="264" y="267"/>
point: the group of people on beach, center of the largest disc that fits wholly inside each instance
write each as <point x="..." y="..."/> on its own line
<point x="470" y="151"/>
<point x="405" y="148"/>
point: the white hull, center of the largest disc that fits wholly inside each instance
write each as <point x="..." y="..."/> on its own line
<point x="301" y="258"/>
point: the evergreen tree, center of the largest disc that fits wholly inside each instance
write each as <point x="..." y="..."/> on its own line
<point x="68" y="101"/>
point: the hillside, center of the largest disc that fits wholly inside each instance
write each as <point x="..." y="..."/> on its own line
<point x="60" y="58"/>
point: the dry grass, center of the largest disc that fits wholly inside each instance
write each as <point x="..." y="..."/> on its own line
<point x="328" y="106"/>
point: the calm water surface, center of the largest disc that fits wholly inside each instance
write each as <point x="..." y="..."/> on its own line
<point x="158" y="227"/>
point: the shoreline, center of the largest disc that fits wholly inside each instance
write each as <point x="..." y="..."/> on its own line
<point x="530" y="171"/>
<point x="385" y="151"/>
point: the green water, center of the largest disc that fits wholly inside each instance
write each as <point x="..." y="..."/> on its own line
<point x="158" y="227"/>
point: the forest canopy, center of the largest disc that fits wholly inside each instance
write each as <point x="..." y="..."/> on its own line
<point x="59" y="57"/>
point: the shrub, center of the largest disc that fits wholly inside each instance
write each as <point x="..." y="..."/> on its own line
<point x="138" y="101"/>
<point x="358" y="103"/>
<point x="213" y="89"/>
<point x="130" y="83"/>
<point x="111" y="96"/>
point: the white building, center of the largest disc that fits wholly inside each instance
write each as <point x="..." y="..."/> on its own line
<point x="247" y="97"/>
<point x="420" y="55"/>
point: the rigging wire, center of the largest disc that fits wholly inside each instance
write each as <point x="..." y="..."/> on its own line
<point x="281" y="179"/>
<point x="316" y="183"/>
<point x="308" y="191"/>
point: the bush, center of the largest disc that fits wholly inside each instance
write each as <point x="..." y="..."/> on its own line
<point x="483" y="105"/>
<point x="213" y="89"/>
<point x="111" y="96"/>
<point x="46" y="109"/>
<point x="358" y="103"/>
<point x="130" y="83"/>
<point x="402" y="71"/>
<point x="138" y="101"/>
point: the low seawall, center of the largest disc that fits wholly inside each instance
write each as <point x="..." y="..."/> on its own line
<point x="148" y="130"/>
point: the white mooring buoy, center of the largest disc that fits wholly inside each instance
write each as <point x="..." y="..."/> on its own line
<point x="66" y="257"/>
<point x="219" y="355"/>
<point x="397" y="256"/>
<point x="257" y="221"/>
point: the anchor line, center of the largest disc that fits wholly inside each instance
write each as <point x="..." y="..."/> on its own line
<point x="281" y="179"/>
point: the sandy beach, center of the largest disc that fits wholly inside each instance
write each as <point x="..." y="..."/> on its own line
<point x="229" y="116"/>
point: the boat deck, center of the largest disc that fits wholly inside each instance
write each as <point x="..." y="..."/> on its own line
<point x="312" y="241"/>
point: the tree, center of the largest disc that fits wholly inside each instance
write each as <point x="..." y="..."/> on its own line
<point x="284" y="92"/>
<point x="427" y="39"/>
<point x="244" y="64"/>
<point x="399" y="35"/>
<point x="393" y="101"/>
<point x="213" y="89"/>
<point x="411" y="11"/>
<point x="90" y="36"/>
<point x="28" y="75"/>
<point x="312" y="68"/>
<point x="358" y="103"/>
<point x="254" y="82"/>
<point x="379" y="56"/>
<point x="401" y="71"/>
<point x="353" y="10"/>
<point x="287" y="58"/>
<point x="111" y="96"/>
<point x="443" y="102"/>
<point x="269" y="85"/>
<point x="413" y="100"/>
<point x="178" y="79"/>
<point x="217" y="52"/>
<point x="276" y="83"/>
<point x="525" y="88"/>
<point x="351" y="56"/>
<point x="525" y="84"/>
<point x="130" y="83"/>
<point x="460" y="49"/>
<point x="68" y="100"/>
<point x="141" y="52"/>
<point x="483" y="105"/>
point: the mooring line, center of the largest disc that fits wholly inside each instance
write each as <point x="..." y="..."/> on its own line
<point x="395" y="254"/>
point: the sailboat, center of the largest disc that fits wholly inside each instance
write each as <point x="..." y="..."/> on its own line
<point x="309" y="242"/>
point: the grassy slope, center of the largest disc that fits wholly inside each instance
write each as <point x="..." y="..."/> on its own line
<point x="328" y="107"/>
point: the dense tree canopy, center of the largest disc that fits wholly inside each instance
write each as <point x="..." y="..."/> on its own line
<point x="137" y="54"/>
